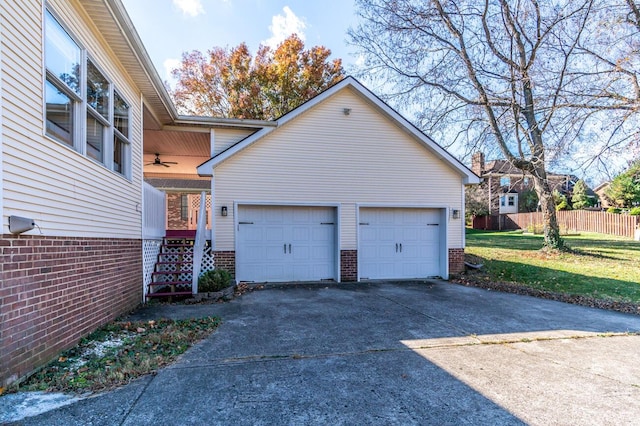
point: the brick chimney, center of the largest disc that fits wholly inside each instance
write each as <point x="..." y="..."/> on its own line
<point x="477" y="163"/>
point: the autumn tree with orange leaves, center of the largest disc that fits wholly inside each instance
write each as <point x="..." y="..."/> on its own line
<point x="232" y="83"/>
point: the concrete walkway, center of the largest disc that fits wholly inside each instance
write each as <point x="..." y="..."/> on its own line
<point x="386" y="353"/>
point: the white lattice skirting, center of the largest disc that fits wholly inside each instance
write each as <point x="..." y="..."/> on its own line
<point x="150" y="251"/>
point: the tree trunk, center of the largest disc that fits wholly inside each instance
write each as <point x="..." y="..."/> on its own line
<point x="552" y="238"/>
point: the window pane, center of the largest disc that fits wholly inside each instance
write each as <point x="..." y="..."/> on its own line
<point x="62" y="54"/>
<point x="59" y="114"/>
<point x="184" y="207"/>
<point x="97" y="90"/>
<point x="120" y="115"/>
<point x="95" y="139"/>
<point x="120" y="149"/>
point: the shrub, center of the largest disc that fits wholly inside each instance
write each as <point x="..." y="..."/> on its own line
<point x="215" y="280"/>
<point x="614" y="210"/>
<point x="635" y="211"/>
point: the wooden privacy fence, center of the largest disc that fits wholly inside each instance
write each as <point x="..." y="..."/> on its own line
<point x="578" y="220"/>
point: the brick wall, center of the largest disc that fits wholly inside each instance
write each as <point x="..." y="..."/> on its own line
<point x="174" y="212"/>
<point x="56" y="290"/>
<point x="456" y="260"/>
<point x="348" y="265"/>
<point x="225" y="260"/>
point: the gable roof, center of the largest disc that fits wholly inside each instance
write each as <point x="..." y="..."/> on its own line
<point x="504" y="167"/>
<point x="205" y="169"/>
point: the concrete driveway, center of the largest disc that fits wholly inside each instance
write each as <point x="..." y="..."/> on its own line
<point x="386" y="353"/>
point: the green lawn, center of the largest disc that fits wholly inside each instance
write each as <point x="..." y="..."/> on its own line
<point x="599" y="266"/>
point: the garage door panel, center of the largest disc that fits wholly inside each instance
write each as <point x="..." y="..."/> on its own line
<point x="300" y="234"/>
<point x="274" y="234"/>
<point x="399" y="243"/>
<point x="286" y="243"/>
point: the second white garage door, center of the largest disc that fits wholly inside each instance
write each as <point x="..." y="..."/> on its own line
<point x="286" y="243"/>
<point x="399" y="243"/>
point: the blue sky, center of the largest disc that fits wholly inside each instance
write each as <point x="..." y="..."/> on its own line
<point x="170" y="27"/>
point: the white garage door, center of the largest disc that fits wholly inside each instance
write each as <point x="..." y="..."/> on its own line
<point x="285" y="243"/>
<point x="399" y="243"/>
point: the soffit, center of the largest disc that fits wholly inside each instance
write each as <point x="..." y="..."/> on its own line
<point x="177" y="143"/>
<point x="115" y="26"/>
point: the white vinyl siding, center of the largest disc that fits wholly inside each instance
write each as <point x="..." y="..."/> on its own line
<point x="66" y="193"/>
<point x="324" y="156"/>
<point x="224" y="138"/>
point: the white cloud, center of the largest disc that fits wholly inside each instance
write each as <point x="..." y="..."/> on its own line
<point x="192" y="8"/>
<point x="282" y="26"/>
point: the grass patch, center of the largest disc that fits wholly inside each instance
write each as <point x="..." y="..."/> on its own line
<point x="597" y="266"/>
<point x="118" y="353"/>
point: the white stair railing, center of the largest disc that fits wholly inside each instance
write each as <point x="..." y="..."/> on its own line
<point x="198" y="245"/>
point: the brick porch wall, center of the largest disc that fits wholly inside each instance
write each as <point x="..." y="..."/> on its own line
<point x="56" y="290"/>
<point x="225" y="260"/>
<point x="456" y="260"/>
<point x="174" y="212"/>
<point x="348" y="265"/>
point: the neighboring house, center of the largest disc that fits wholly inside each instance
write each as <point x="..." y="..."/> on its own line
<point x="504" y="185"/>
<point x="601" y="192"/>
<point x="341" y="188"/>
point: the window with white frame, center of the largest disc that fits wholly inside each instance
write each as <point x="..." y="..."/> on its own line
<point x="79" y="96"/>
<point x="511" y="200"/>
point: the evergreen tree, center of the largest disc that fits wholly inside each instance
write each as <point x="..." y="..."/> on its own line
<point x="580" y="198"/>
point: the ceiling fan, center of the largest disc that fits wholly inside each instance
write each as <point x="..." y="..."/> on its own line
<point x="158" y="162"/>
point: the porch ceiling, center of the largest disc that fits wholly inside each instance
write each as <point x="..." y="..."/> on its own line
<point x="169" y="143"/>
<point x="186" y="148"/>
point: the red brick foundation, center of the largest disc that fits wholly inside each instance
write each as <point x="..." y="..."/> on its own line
<point x="348" y="265"/>
<point x="56" y="290"/>
<point x="348" y="262"/>
<point x="225" y="260"/>
<point x="456" y="260"/>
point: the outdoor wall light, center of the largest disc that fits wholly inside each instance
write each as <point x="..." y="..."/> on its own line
<point x="346" y="111"/>
<point x="224" y="211"/>
<point x="455" y="214"/>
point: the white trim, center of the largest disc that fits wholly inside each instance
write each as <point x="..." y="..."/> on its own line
<point x="468" y="176"/>
<point x="444" y="230"/>
<point x="212" y="234"/>
<point x="463" y="218"/>
<point x="212" y="141"/>
<point x="336" y="206"/>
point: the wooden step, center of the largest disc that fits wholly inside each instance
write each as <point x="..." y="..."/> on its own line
<point x="163" y="294"/>
<point x="170" y="283"/>
<point x="165" y="273"/>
